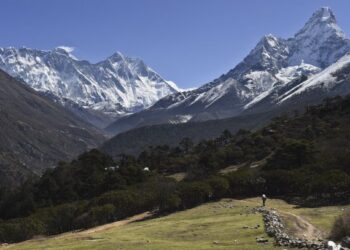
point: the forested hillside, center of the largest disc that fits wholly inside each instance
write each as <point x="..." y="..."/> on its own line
<point x="304" y="157"/>
<point x="135" y="141"/>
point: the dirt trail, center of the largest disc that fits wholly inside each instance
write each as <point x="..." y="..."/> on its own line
<point x="301" y="228"/>
<point x="117" y="223"/>
<point x="85" y="233"/>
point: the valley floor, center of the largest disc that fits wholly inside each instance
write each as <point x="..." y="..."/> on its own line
<point x="217" y="225"/>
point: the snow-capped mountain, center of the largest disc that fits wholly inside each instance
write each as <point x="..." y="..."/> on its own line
<point x="321" y="42"/>
<point x="114" y="87"/>
<point x="304" y="91"/>
<point x="328" y="79"/>
<point x="274" y="64"/>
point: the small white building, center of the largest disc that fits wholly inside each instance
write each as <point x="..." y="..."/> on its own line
<point x="112" y="168"/>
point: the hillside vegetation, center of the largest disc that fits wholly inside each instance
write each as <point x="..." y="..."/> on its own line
<point x="135" y="141"/>
<point x="304" y="158"/>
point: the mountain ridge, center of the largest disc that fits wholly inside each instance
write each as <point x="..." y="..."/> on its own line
<point x="116" y="86"/>
<point x="273" y="62"/>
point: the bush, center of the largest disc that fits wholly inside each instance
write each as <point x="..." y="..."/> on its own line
<point x="219" y="185"/>
<point x="194" y="193"/>
<point x="291" y="154"/>
<point x="102" y="214"/>
<point x="170" y="203"/>
<point x="333" y="182"/>
<point x="341" y="227"/>
<point x="127" y="202"/>
<point x="60" y="219"/>
<point x="20" y="229"/>
<point x="246" y="182"/>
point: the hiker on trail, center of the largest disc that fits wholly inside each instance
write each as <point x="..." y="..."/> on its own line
<point x="264" y="198"/>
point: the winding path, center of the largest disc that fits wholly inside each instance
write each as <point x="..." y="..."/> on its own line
<point x="301" y="228"/>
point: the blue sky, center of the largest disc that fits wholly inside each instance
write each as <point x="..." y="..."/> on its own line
<point x="188" y="41"/>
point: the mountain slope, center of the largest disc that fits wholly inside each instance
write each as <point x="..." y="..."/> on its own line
<point x="301" y="157"/>
<point x="273" y="63"/>
<point x="332" y="81"/>
<point x="36" y="133"/>
<point x="108" y="89"/>
<point x="285" y="98"/>
<point x="320" y="42"/>
<point x="139" y="139"/>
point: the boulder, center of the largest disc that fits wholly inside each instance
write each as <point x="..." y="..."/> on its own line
<point x="262" y="240"/>
<point x="333" y="246"/>
<point x="346" y="242"/>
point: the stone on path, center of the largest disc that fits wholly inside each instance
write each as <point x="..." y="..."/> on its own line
<point x="333" y="246"/>
<point x="346" y="241"/>
<point x="261" y="240"/>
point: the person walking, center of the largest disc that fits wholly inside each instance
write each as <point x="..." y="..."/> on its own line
<point x="264" y="198"/>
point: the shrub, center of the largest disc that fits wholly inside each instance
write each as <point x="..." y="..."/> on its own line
<point x="60" y="218"/>
<point x="334" y="182"/>
<point x="127" y="202"/>
<point x="170" y="203"/>
<point x="102" y="214"/>
<point x="194" y="193"/>
<point x="219" y="185"/>
<point x="341" y="227"/>
<point x="20" y="229"/>
<point x="246" y="182"/>
<point x="291" y="154"/>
